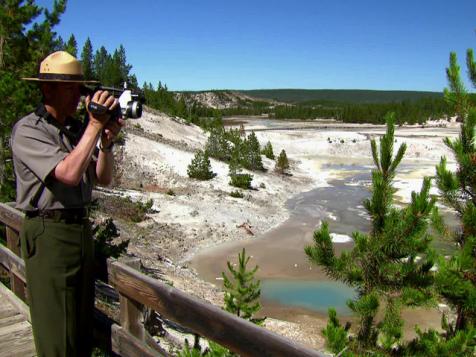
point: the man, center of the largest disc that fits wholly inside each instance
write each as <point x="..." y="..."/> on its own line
<point x="56" y="167"/>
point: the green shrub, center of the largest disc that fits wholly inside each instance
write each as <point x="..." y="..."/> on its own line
<point x="237" y="177"/>
<point x="104" y="233"/>
<point x="200" y="167"/>
<point x="241" y="180"/>
<point x="236" y="194"/>
<point x="268" y="151"/>
<point x="125" y="208"/>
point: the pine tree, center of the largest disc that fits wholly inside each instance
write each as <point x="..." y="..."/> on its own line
<point x="101" y="64"/>
<point x="218" y="146"/>
<point x="282" y="163"/>
<point x="24" y="42"/>
<point x="237" y="177"/>
<point x="71" y="46"/>
<point x="268" y="151"/>
<point x="470" y="62"/>
<point x="200" y="167"/>
<point x="456" y="95"/>
<point x="119" y="69"/>
<point x="391" y="265"/>
<point x="252" y="153"/>
<point x="87" y="60"/>
<point x="242" y="290"/>
<point x="456" y="278"/>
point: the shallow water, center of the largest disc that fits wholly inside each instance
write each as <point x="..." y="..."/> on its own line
<point x="308" y="294"/>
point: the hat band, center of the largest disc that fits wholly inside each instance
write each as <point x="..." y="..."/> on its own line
<point x="61" y="76"/>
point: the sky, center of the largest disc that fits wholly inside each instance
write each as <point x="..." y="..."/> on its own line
<point x="264" y="44"/>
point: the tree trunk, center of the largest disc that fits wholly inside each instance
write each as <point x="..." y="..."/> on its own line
<point x="460" y="319"/>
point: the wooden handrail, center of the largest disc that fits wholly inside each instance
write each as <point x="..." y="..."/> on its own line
<point x="137" y="290"/>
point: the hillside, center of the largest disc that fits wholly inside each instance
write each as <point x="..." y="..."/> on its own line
<point x="337" y="95"/>
<point x="222" y="99"/>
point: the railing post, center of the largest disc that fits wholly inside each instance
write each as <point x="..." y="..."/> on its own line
<point x="17" y="285"/>
<point x="131" y="311"/>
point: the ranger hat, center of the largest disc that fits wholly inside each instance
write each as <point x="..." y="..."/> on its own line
<point x="60" y="66"/>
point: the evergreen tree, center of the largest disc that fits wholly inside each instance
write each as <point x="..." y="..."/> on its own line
<point x="59" y="44"/>
<point x="456" y="95"/>
<point x="218" y="146"/>
<point x="71" y="46"/>
<point x="268" y="151"/>
<point x="87" y="60"/>
<point x="252" y="153"/>
<point x="470" y="62"/>
<point x="200" y="167"/>
<point x="101" y="64"/>
<point x="119" y="68"/>
<point x="456" y="278"/>
<point x="242" y="290"/>
<point x="282" y="163"/>
<point x="237" y="177"/>
<point x="24" y="42"/>
<point x="133" y="84"/>
<point x="390" y="266"/>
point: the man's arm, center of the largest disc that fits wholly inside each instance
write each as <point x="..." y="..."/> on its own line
<point x="105" y="163"/>
<point x="71" y="169"/>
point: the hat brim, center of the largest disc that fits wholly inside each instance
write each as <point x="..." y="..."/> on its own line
<point x="60" y="80"/>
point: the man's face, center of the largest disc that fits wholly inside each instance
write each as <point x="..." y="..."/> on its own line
<point x="64" y="97"/>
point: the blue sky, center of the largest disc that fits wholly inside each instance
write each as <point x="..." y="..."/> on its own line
<point x="320" y="44"/>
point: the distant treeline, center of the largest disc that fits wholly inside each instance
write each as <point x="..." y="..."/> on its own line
<point x="298" y="96"/>
<point x="406" y="111"/>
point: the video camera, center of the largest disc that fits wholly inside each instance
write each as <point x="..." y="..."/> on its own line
<point x="130" y="103"/>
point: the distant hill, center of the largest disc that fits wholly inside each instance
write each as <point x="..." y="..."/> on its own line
<point x="337" y="95"/>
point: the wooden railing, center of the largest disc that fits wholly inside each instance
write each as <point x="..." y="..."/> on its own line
<point x="137" y="291"/>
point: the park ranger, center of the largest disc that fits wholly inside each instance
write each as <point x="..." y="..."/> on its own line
<point x="57" y="161"/>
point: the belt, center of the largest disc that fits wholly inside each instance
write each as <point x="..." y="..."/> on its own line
<point x="70" y="215"/>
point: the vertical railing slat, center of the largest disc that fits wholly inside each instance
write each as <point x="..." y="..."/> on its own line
<point x="13" y="243"/>
<point x="131" y="313"/>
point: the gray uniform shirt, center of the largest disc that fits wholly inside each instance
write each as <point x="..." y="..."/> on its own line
<point x="38" y="146"/>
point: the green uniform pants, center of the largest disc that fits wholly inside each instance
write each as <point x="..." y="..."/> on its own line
<point x="59" y="260"/>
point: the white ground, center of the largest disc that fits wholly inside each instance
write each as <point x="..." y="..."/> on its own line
<point x="205" y="207"/>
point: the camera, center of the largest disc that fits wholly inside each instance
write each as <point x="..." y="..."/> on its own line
<point x="130" y="103"/>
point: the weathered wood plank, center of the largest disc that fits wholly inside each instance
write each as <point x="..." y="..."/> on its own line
<point x="124" y="344"/>
<point x="13" y="263"/>
<point x="13" y="243"/>
<point x="19" y="343"/>
<point x="12" y="329"/>
<point x="131" y="311"/>
<point x="7" y="310"/>
<point x="205" y="319"/>
<point x="112" y="337"/>
<point x="18" y="304"/>
<point x="24" y="350"/>
<point x="11" y="217"/>
<point x="11" y="320"/>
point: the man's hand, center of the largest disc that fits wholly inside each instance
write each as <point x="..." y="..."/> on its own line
<point x="103" y="98"/>
<point x="110" y="131"/>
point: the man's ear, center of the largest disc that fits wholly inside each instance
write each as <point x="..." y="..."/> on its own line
<point x="47" y="89"/>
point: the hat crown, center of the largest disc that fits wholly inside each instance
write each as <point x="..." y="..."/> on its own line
<point x="61" y="62"/>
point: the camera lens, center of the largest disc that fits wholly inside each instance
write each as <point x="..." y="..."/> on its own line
<point x="134" y="110"/>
